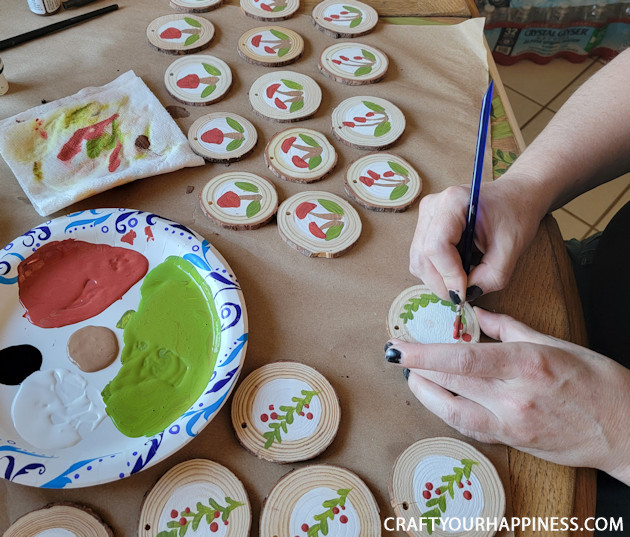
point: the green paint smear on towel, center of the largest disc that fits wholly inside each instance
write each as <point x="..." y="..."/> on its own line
<point x="170" y="349"/>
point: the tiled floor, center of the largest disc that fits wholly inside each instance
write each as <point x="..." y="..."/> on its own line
<point x="536" y="92"/>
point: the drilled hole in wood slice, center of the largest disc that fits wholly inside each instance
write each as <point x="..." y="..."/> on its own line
<point x="405" y="506"/>
<point x="147" y="527"/>
<point x="244" y="425"/>
<point x="396" y="327"/>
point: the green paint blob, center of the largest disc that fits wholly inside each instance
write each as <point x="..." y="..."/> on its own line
<point x="170" y="348"/>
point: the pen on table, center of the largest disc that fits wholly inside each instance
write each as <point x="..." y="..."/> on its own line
<point x="45" y="30"/>
<point x="473" y="202"/>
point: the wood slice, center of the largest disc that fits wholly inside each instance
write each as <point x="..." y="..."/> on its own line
<point x="353" y="64"/>
<point x="199" y="494"/>
<point x="340" y="500"/>
<point x="383" y="182"/>
<point x="285" y="96"/>
<point x="319" y="224"/>
<point x="195" y="6"/>
<point x="270" y="46"/>
<point x="419" y="316"/>
<point x="222" y="137"/>
<point x="462" y="480"/>
<point x="180" y="34"/>
<point x="198" y="80"/>
<point x="300" y="155"/>
<point x="270" y="10"/>
<point x="239" y="200"/>
<point x="285" y="412"/>
<point x="347" y="18"/>
<point x="368" y="122"/>
<point x="61" y="520"/>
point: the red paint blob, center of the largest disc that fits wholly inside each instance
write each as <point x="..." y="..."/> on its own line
<point x="174" y="513"/>
<point x="428" y="486"/>
<point x="438" y="491"/>
<point x="217" y="514"/>
<point x="304" y="527"/>
<point x="336" y="510"/>
<point x="270" y="407"/>
<point x="467" y="338"/>
<point x="309" y="416"/>
<point x="214" y="527"/>
<point x="264" y="418"/>
<point x="467" y="495"/>
<point x="426" y="494"/>
<point x="273" y="416"/>
<point x="343" y="519"/>
<point x="182" y="521"/>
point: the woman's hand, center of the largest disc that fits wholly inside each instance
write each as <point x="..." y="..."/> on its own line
<point x="553" y="399"/>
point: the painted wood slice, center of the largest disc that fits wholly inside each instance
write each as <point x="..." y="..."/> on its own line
<point x="271" y="46"/>
<point x="270" y="10"/>
<point x="285" y="412"/>
<point x="239" y="200"/>
<point x="419" y="316"/>
<point x="180" y="34"/>
<point x="383" y="182"/>
<point x="319" y="224"/>
<point x="200" y="495"/>
<point x="353" y="63"/>
<point x="222" y="137"/>
<point x="347" y="18"/>
<point x="367" y="122"/>
<point x="198" y="80"/>
<point x="300" y="155"/>
<point x="285" y="96"/>
<point x="444" y="477"/>
<point x="60" y="520"/>
<point x="195" y="6"/>
<point x="320" y="500"/>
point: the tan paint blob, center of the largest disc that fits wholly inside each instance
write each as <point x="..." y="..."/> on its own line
<point x="93" y="348"/>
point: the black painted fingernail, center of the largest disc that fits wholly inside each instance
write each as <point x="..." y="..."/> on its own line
<point x="473" y="293"/>
<point x="388" y="345"/>
<point x="393" y="356"/>
<point x="406" y="373"/>
<point x="454" y="297"/>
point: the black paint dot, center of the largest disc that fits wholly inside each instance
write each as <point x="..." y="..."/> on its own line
<point x="18" y="362"/>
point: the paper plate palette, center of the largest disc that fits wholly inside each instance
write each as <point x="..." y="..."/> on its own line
<point x="99" y="452"/>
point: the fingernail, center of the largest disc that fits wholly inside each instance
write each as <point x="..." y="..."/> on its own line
<point x="393" y="356"/>
<point x="388" y="345"/>
<point x="406" y="373"/>
<point x="454" y="297"/>
<point x="473" y="293"/>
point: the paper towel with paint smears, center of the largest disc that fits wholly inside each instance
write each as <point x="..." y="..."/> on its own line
<point x="99" y="138"/>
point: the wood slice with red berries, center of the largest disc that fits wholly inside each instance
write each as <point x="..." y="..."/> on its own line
<point x="270" y="10"/>
<point x="195" y="6"/>
<point x="320" y="500"/>
<point x="198" y="80"/>
<point x="270" y="46"/>
<point x="285" y="412"/>
<point x="180" y="34"/>
<point x="196" y="495"/>
<point x="62" y="519"/>
<point x="222" y="137"/>
<point x="300" y="155"/>
<point x="345" y="18"/>
<point x="239" y="200"/>
<point x="319" y="224"/>
<point x="353" y="64"/>
<point x="450" y="480"/>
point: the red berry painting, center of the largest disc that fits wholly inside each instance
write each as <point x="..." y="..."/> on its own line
<point x="344" y="15"/>
<point x="209" y="513"/>
<point x="375" y="120"/>
<point x="395" y="180"/>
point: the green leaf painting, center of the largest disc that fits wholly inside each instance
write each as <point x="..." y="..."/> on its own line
<point x="291" y="85"/>
<point x="331" y="206"/>
<point x="356" y="22"/>
<point x="362" y="71"/>
<point x="253" y="209"/>
<point x="398" y="192"/>
<point x="331" y="510"/>
<point x="234" y="124"/>
<point x="308" y="140"/>
<point x="373" y="106"/>
<point x="248" y="187"/>
<point x="208" y="90"/>
<point x="382" y="129"/>
<point x="191" y="39"/>
<point x="283" y="51"/>
<point x="192" y="519"/>
<point x="352" y="9"/>
<point x="297" y="105"/>
<point x="274" y="434"/>
<point x="235" y="144"/>
<point x="334" y="231"/>
<point x="192" y="22"/>
<point x="368" y="55"/>
<point x="422" y="301"/>
<point x="397" y="168"/>
<point x="211" y="69"/>
<point x="278" y="34"/>
<point x="313" y="162"/>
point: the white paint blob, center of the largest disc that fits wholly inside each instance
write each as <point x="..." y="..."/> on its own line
<point x="346" y="522"/>
<point x="433" y="324"/>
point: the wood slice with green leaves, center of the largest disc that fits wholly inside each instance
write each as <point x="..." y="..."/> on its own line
<point x="383" y="182"/>
<point x="196" y="497"/>
<point x="353" y="64"/>
<point x="195" y="6"/>
<point x="222" y="137"/>
<point x="271" y="46"/>
<point x="180" y="34"/>
<point x="448" y="479"/>
<point x="270" y="10"/>
<point x="239" y="200"/>
<point x="285" y="412"/>
<point x="198" y="80"/>
<point x="344" y="18"/>
<point x="60" y="519"/>
<point x="367" y="122"/>
<point x="317" y="501"/>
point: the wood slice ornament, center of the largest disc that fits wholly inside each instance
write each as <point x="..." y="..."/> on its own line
<point x="320" y="500"/>
<point x="300" y="155"/>
<point x="222" y="137"/>
<point x="447" y="478"/>
<point x="271" y="46"/>
<point x="318" y="224"/>
<point x="60" y="520"/>
<point x="368" y="122"/>
<point x="285" y="96"/>
<point x="285" y="412"/>
<point x="180" y="34"/>
<point x="198" y="80"/>
<point x="195" y="6"/>
<point x="419" y="316"/>
<point x="200" y="495"/>
<point x="383" y="182"/>
<point x="270" y="10"/>
<point x="347" y="18"/>
<point x="353" y="63"/>
<point x="239" y="200"/>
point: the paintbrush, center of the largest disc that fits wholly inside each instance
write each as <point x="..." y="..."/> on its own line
<point x="467" y="242"/>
